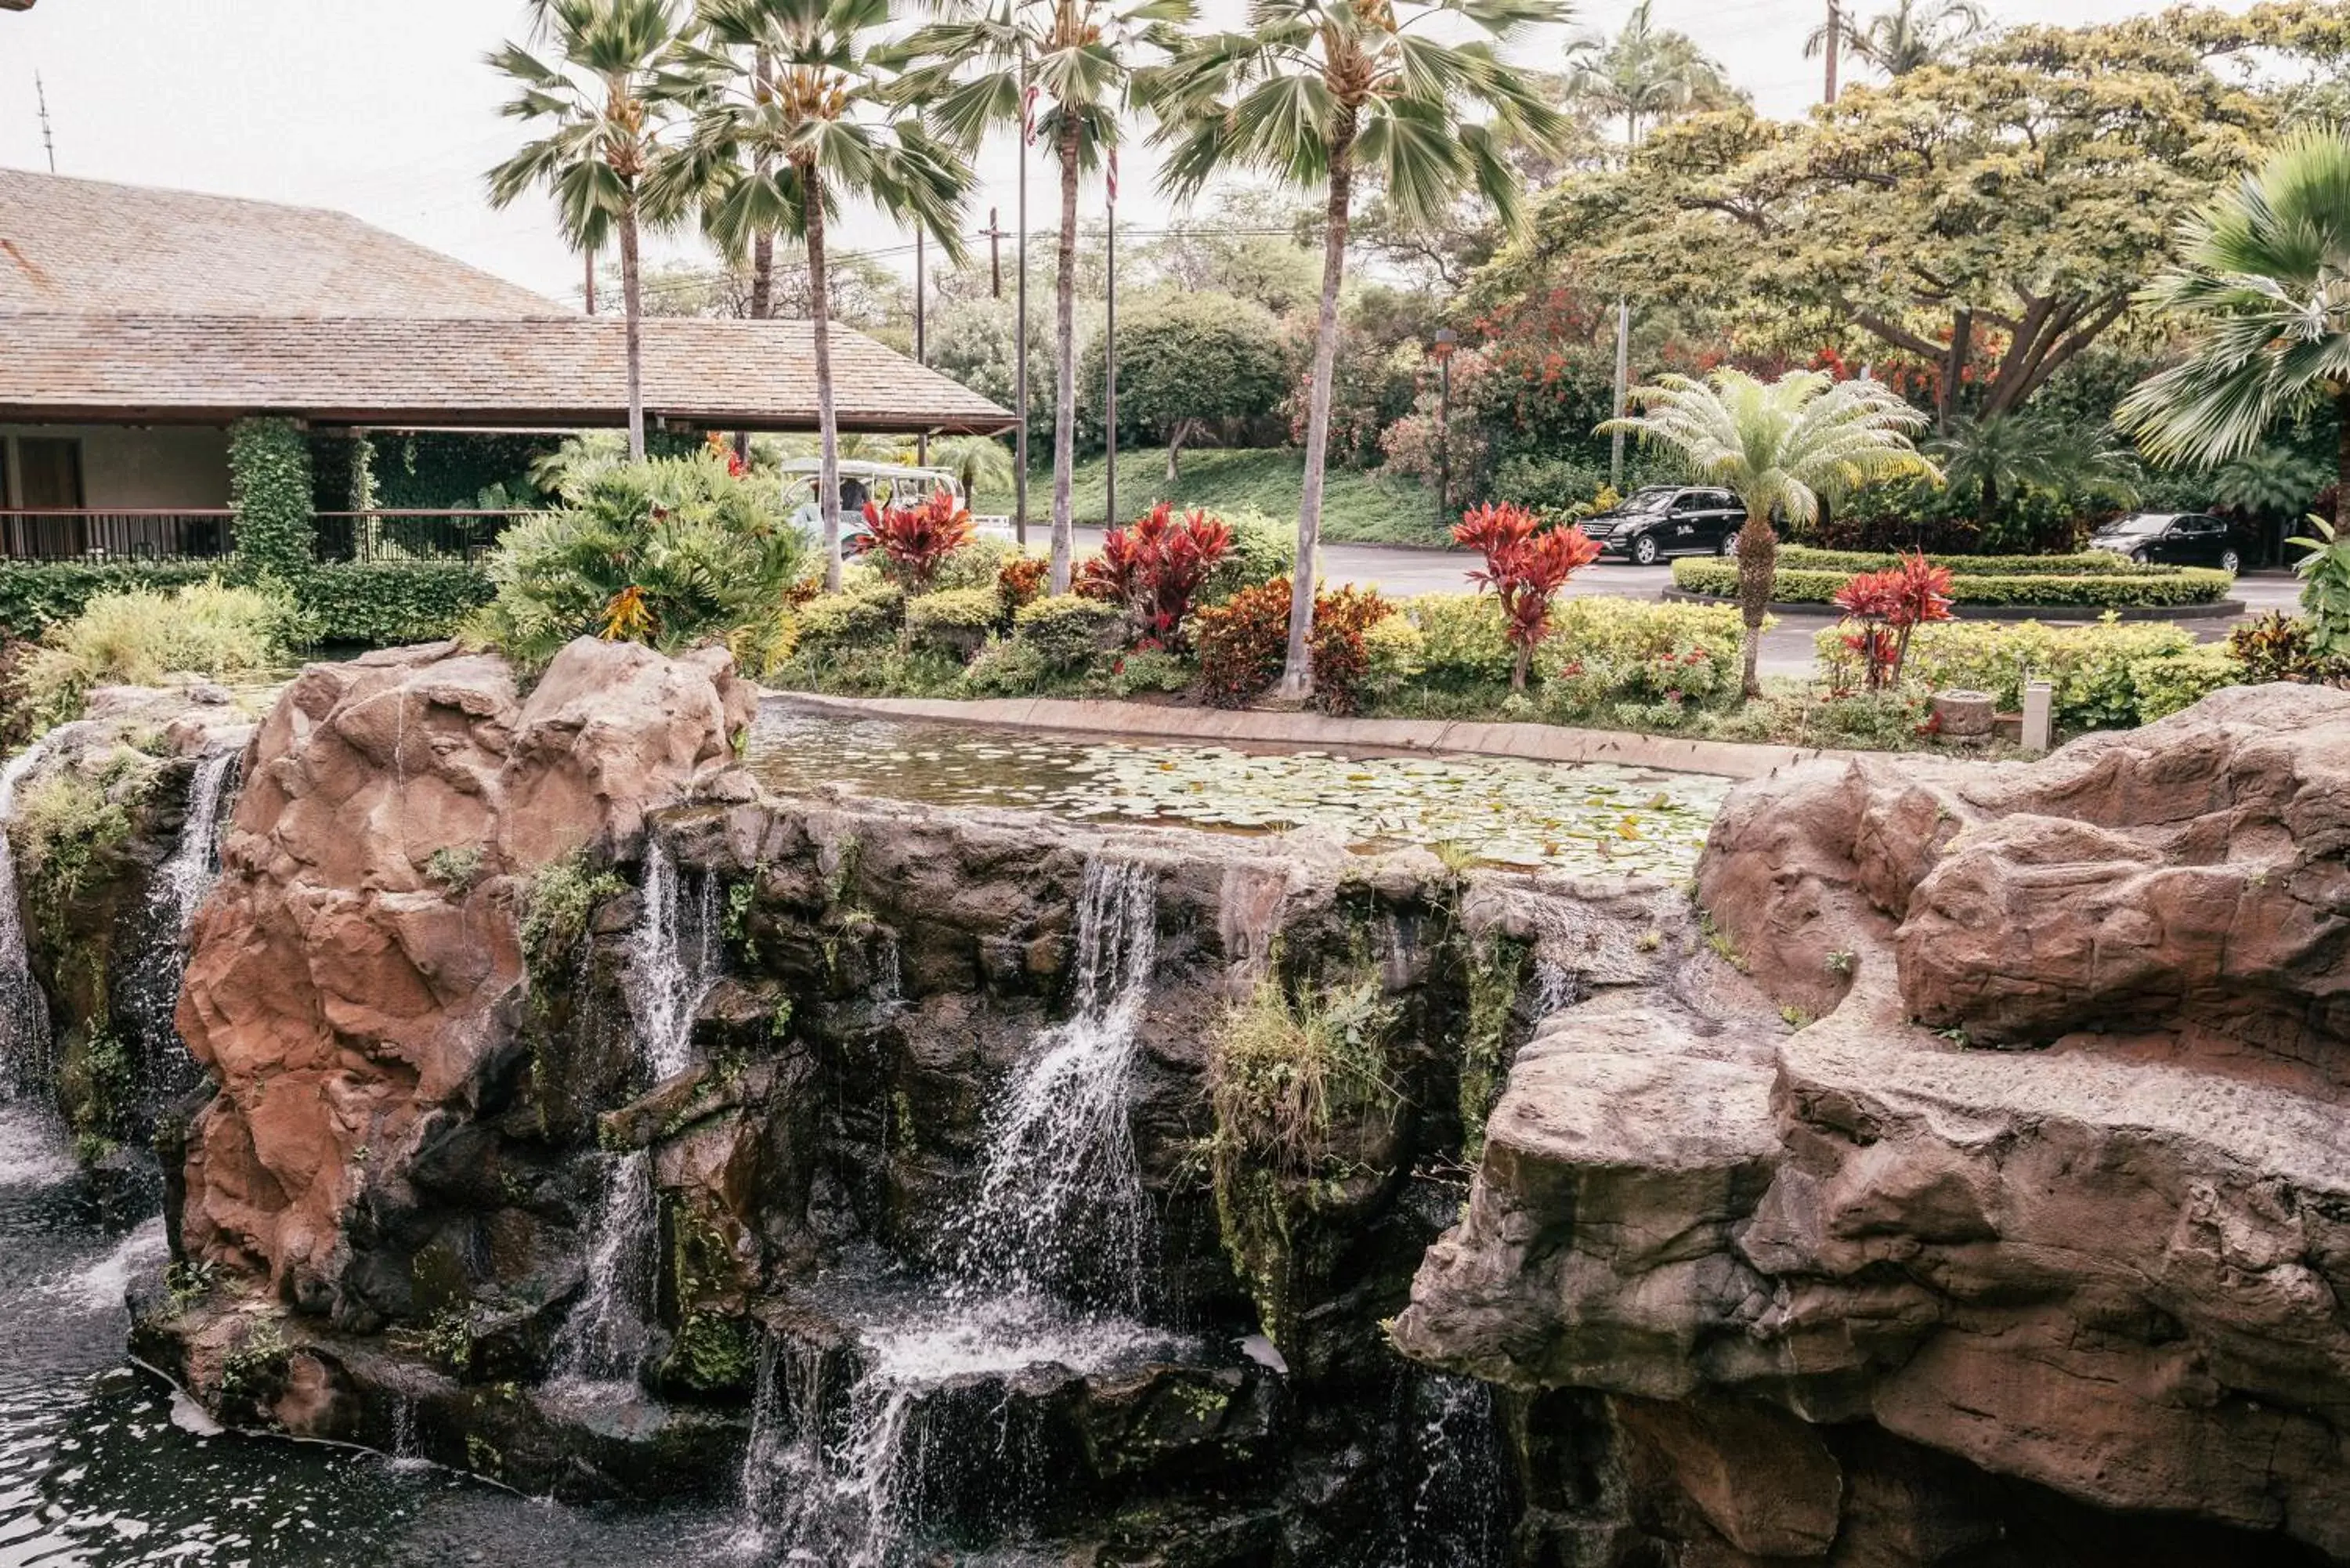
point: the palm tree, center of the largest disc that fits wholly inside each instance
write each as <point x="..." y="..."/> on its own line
<point x="1080" y="55"/>
<point x="977" y="463"/>
<point x="1912" y="36"/>
<point x="1997" y="455"/>
<point x="1642" y="74"/>
<point x="1778" y="446"/>
<point x="1319" y="91"/>
<point x="2262" y="290"/>
<point x="776" y="148"/>
<point x="604" y="94"/>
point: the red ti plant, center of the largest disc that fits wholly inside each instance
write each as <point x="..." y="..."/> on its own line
<point x="1155" y="567"/>
<point x="1884" y="607"/>
<point x="1526" y="566"/>
<point x="915" y="540"/>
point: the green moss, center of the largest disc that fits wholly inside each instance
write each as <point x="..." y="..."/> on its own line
<point x="97" y="1082"/>
<point x="455" y="868"/>
<point x="742" y="897"/>
<point x="68" y="824"/>
<point x="711" y="1354"/>
<point x="560" y="901"/>
<point x="1497" y="968"/>
<point x="254" y="1373"/>
<point x="481" y="1456"/>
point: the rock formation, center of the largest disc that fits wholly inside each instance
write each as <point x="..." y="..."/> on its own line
<point x="2021" y="1234"/>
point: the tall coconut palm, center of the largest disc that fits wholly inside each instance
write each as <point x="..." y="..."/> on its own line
<point x="778" y="149"/>
<point x="1319" y="92"/>
<point x="1912" y="36"/>
<point x="603" y="95"/>
<point x="1080" y="55"/>
<point x="1643" y="74"/>
<point x="2262" y="291"/>
<point x="1778" y="446"/>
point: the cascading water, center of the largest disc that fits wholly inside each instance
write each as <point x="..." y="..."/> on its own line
<point x="24" y="1010"/>
<point x="674" y="960"/>
<point x="1049" y="1258"/>
<point x="194" y="865"/>
<point x="1451" y="1507"/>
<point x="604" y="1336"/>
<point x="179" y="886"/>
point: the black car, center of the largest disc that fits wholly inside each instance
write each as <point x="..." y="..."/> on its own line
<point x="2178" y="538"/>
<point x="1667" y="520"/>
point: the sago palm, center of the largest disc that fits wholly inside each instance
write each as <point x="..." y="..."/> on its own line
<point x="2000" y="454"/>
<point x="1319" y="92"/>
<point x="1642" y="74"/>
<point x="1080" y="55"/>
<point x="779" y="149"/>
<point x="1778" y="446"/>
<point x="1910" y="37"/>
<point x="2263" y="292"/>
<point x="602" y="94"/>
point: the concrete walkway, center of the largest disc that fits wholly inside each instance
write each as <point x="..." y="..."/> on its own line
<point x="1400" y="571"/>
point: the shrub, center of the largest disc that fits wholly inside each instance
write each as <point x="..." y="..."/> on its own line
<point x="1882" y="610"/>
<point x="385" y="603"/>
<point x="1145" y="670"/>
<point x="956" y="621"/>
<point x="69" y="823"/>
<point x="1526" y="566"/>
<point x="1262" y="549"/>
<point x="1067" y="631"/>
<point x="978" y="564"/>
<point x="1394" y="655"/>
<point x="1020" y="582"/>
<point x="1243" y="642"/>
<point x="1006" y="668"/>
<point x="1665" y="661"/>
<point x="1463" y="640"/>
<point x="1546" y="484"/>
<point x="2166" y="683"/>
<point x="2089" y="666"/>
<point x="1155" y="568"/>
<point x="2159" y="588"/>
<point x="269" y="487"/>
<point x="137" y="636"/>
<point x="867" y="612"/>
<point x="2324" y="572"/>
<point x="2278" y="646"/>
<point x="2083" y="563"/>
<point x="915" y="541"/>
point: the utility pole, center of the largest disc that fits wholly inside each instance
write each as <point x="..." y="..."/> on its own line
<point x="921" y="442"/>
<point x="1109" y="361"/>
<point x="1836" y="44"/>
<point x="48" y="142"/>
<point x="994" y="255"/>
<point x="1020" y="333"/>
<point x="1623" y="390"/>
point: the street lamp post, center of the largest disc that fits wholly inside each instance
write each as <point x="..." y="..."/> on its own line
<point x="1446" y="341"/>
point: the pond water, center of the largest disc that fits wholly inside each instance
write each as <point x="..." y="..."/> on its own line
<point x="100" y="1466"/>
<point x="1573" y="817"/>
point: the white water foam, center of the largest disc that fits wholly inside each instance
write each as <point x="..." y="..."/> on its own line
<point x="603" y="1337"/>
<point x="673" y="962"/>
<point x="23" y="1011"/>
<point x="194" y="865"/>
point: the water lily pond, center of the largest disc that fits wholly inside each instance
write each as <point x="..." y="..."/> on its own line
<point x="1577" y="817"/>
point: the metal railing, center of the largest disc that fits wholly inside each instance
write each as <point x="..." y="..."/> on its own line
<point x="410" y="536"/>
<point x="84" y="533"/>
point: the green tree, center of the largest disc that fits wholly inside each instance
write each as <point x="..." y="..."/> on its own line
<point x="795" y="114"/>
<point x="978" y="462"/>
<point x="1778" y="446"/>
<point x="1998" y="456"/>
<point x="1912" y="36"/>
<point x="1187" y="362"/>
<point x="2262" y="292"/>
<point x="603" y="97"/>
<point x="1319" y="92"/>
<point x="1644" y="73"/>
<point x="1981" y="223"/>
<point x="1080" y="54"/>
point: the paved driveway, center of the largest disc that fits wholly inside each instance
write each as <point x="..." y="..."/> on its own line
<point x="1401" y="570"/>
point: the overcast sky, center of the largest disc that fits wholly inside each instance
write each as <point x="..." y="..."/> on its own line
<point x="383" y="107"/>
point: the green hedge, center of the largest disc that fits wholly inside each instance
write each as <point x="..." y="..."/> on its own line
<point x="379" y="603"/>
<point x="269" y="484"/>
<point x="2105" y="676"/>
<point x="386" y="603"/>
<point x="2085" y="563"/>
<point x="2177" y="586"/>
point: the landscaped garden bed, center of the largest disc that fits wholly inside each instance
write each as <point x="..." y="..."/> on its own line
<point x="2122" y="585"/>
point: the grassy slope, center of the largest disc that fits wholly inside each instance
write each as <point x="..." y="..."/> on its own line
<point x="1357" y="508"/>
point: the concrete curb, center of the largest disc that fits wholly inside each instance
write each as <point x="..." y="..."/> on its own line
<point x="2218" y="609"/>
<point x="1535" y="743"/>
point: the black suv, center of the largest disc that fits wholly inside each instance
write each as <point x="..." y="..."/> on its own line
<point x="2181" y="539"/>
<point x="1667" y="520"/>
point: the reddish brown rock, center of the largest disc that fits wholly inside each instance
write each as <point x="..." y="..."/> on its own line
<point x="357" y="967"/>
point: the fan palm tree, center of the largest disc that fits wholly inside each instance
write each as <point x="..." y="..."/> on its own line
<point x="1080" y="55"/>
<point x="1319" y="92"/>
<point x="603" y="96"/>
<point x="1912" y="36"/>
<point x="795" y="115"/>
<point x="977" y="463"/>
<point x="1778" y="446"/>
<point x="2003" y="453"/>
<point x="2262" y="289"/>
<point x="1642" y="74"/>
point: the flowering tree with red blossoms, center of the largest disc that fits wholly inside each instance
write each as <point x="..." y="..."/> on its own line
<point x="1882" y="608"/>
<point x="1526" y="566"/>
<point x="914" y="540"/>
<point x="1155" y="567"/>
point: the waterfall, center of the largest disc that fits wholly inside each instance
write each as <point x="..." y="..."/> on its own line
<point x="603" y="1337"/>
<point x="194" y="865"/>
<point x="24" y="1010"/>
<point x="1449" y="1505"/>
<point x="178" y="886"/>
<point x="1060" y="1204"/>
<point x="674" y="960"/>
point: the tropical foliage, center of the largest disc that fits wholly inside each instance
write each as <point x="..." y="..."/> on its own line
<point x="1526" y="566"/>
